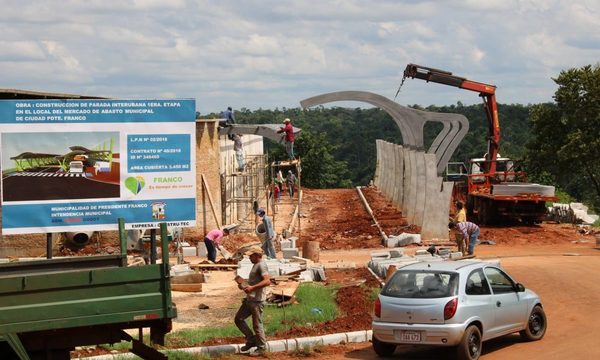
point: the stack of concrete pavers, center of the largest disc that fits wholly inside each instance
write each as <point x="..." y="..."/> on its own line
<point x="288" y="247"/>
<point x="306" y="269"/>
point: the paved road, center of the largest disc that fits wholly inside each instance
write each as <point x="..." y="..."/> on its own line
<point x="570" y="291"/>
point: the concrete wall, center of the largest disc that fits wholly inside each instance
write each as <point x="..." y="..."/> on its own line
<point x="408" y="178"/>
<point x="207" y="164"/>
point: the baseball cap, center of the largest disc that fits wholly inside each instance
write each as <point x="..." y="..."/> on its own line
<point x="254" y="249"/>
<point x="260" y="211"/>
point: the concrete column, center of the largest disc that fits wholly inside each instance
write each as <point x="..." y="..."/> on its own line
<point x="421" y="185"/>
<point x="395" y="173"/>
<point x="399" y="151"/>
<point x="412" y="188"/>
<point x="377" y="176"/>
<point x="435" y="219"/>
<point x="387" y="173"/>
<point x="406" y="183"/>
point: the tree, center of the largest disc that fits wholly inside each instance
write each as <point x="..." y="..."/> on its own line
<point x="567" y="134"/>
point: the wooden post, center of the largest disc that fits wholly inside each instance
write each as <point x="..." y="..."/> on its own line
<point x="210" y="200"/>
<point x="310" y="250"/>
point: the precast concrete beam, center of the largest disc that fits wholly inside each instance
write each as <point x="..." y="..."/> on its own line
<point x="377" y="176"/>
<point x="268" y="131"/>
<point x="435" y="217"/>
<point x="400" y="178"/>
<point x="406" y="184"/>
<point x="388" y="174"/>
<point x="390" y="160"/>
<point x="396" y="174"/>
<point x="412" y="188"/>
<point x="421" y="186"/>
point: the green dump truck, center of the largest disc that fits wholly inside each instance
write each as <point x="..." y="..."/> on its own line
<point x="48" y="307"/>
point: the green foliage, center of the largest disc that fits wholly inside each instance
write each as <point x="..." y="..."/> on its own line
<point x="566" y="145"/>
<point x="309" y="296"/>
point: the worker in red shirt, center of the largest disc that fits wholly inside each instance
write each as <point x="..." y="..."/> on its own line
<point x="288" y="129"/>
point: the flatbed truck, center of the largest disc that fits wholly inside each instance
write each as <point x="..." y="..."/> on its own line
<point x="48" y="307"/>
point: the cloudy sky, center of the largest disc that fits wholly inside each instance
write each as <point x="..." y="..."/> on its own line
<point x="273" y="53"/>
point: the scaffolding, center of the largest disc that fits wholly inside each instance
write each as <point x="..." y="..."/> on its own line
<point x="295" y="167"/>
<point x="242" y="191"/>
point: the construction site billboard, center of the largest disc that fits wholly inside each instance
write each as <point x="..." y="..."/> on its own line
<point x="80" y="165"/>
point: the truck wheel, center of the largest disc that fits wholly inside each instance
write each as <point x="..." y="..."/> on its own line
<point x="536" y="325"/>
<point x="383" y="349"/>
<point x="470" y="345"/>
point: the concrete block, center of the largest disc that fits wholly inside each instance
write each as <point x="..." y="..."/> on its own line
<point x="223" y="349"/>
<point x="277" y="346"/>
<point x="288" y="268"/>
<point x="334" y="339"/>
<point x="291" y="345"/>
<point x="396" y="253"/>
<point x="422" y="252"/>
<point x="456" y="255"/>
<point x="290" y="253"/>
<point x="357" y="336"/>
<point x="285" y="244"/>
<point x="293" y="239"/>
<point x="369" y="335"/>
<point x="306" y="275"/>
<point x="380" y="255"/>
<point x="318" y="273"/>
<point x="404" y="239"/>
<point x="201" y="249"/>
<point x="188" y="251"/>
<point x="309" y="342"/>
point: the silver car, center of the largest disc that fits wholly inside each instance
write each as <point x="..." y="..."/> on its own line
<point x="454" y="303"/>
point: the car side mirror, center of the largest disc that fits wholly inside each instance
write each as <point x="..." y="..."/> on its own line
<point x="519" y="287"/>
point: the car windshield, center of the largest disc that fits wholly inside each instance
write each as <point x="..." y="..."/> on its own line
<point x="421" y="284"/>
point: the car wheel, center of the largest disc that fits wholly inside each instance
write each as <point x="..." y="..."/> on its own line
<point x="470" y="345"/>
<point x="536" y="325"/>
<point x="383" y="349"/>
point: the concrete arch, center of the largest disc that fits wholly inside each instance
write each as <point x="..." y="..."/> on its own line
<point x="410" y="121"/>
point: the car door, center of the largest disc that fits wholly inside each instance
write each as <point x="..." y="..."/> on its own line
<point x="478" y="301"/>
<point x="510" y="307"/>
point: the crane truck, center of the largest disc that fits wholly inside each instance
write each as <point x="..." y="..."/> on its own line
<point x="494" y="187"/>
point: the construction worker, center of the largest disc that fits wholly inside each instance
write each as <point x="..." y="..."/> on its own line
<point x="288" y="129"/>
<point x="254" y="302"/>
<point x="270" y="235"/>
<point x="461" y="216"/>
<point x="469" y="230"/>
<point x="212" y="240"/>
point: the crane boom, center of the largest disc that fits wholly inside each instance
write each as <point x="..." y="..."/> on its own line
<point x="486" y="91"/>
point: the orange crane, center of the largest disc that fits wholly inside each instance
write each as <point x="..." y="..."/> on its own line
<point x="495" y="189"/>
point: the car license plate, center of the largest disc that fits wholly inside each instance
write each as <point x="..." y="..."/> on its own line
<point x="411" y="336"/>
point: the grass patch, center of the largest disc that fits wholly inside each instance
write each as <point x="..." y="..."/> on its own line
<point x="374" y="293"/>
<point x="316" y="304"/>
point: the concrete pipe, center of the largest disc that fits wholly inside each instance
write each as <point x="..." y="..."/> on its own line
<point x="78" y="239"/>
<point x="261" y="232"/>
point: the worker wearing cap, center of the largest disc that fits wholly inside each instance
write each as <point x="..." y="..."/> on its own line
<point x="469" y="230"/>
<point x="288" y="129"/>
<point x="270" y="235"/>
<point x="212" y="240"/>
<point x="254" y="302"/>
